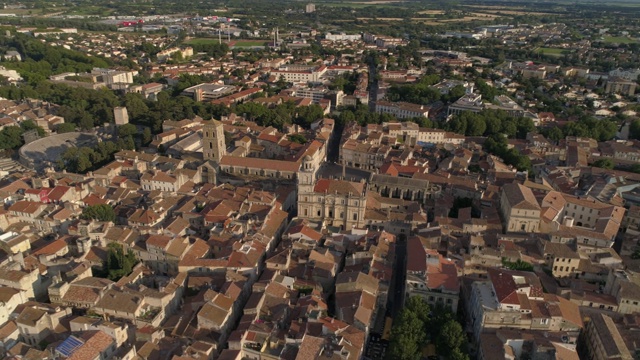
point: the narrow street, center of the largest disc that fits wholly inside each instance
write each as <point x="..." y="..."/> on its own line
<point x="376" y="345"/>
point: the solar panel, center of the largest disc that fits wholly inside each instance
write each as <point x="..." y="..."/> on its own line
<point x="68" y="346"/>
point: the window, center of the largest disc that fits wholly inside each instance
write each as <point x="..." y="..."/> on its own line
<point x="318" y="212"/>
<point x="306" y="212"/>
<point x="355" y="216"/>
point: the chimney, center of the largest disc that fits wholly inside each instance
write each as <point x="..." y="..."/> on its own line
<point x="568" y="221"/>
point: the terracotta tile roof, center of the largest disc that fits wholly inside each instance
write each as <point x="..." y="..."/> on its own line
<point x="95" y="343"/>
<point x="27" y="207"/>
<point x="6" y="293"/>
<point x="93" y="199"/>
<point x="120" y="301"/>
<point x="310" y="348"/>
<point x="159" y="241"/>
<point x="520" y="197"/>
<point x="217" y="310"/>
<point x="30" y="316"/>
<point x="444" y="276"/>
<point x="306" y="231"/>
<point x="51" y="248"/>
<point x="416" y="255"/>
<point x="58" y="192"/>
<point x="9" y="328"/>
<point x="82" y="294"/>
<point x="257" y="163"/>
<point x="340" y="187"/>
<point x="144" y="216"/>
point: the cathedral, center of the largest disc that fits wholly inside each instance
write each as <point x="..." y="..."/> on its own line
<point x="335" y="202"/>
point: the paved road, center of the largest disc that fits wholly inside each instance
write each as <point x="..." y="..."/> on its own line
<point x="395" y="301"/>
<point x="376" y="346"/>
<point x="373" y="87"/>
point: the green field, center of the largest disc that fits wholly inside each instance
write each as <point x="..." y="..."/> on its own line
<point x="619" y="40"/>
<point x="202" y="41"/>
<point x="249" y="43"/>
<point x="234" y="43"/>
<point x="552" y="51"/>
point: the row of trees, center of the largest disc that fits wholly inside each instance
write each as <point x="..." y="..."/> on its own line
<point x="280" y="115"/>
<point x="362" y="115"/>
<point x="417" y="326"/>
<point x="488" y="122"/>
<point x="598" y="129"/>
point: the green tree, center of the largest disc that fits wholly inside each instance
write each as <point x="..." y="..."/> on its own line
<point x="127" y="130"/>
<point x="634" y="129"/>
<point x="635" y="168"/>
<point x="146" y="136"/>
<point x="604" y="163"/>
<point x="297" y="138"/>
<point x="519" y="265"/>
<point x="555" y="134"/>
<point x="100" y="212"/>
<point x="419" y="308"/>
<point x="136" y="106"/>
<point x="407" y="337"/>
<point x="28" y="125"/>
<point x="451" y="337"/>
<point x="476" y="127"/>
<point x="118" y="263"/>
<point x="457" y="354"/>
<point x="11" y="137"/>
<point x="65" y="128"/>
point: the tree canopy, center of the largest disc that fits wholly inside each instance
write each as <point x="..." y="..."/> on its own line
<point x="417" y="326"/>
<point x="100" y="212"/>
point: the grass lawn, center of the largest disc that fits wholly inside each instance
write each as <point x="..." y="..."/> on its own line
<point x="619" y="40"/>
<point x="552" y="51"/>
<point x="249" y="43"/>
<point x="203" y="41"/>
